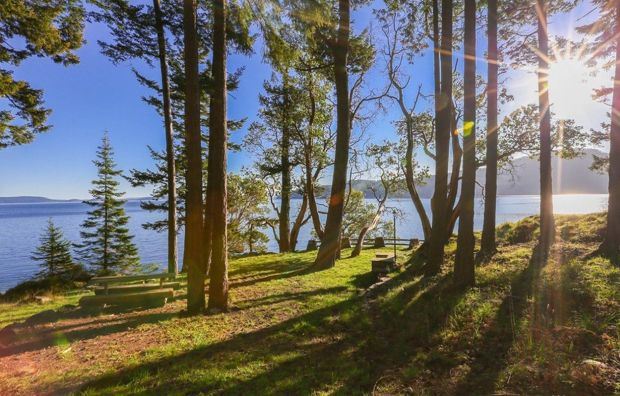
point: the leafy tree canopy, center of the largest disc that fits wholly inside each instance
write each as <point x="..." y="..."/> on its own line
<point x="52" y="29"/>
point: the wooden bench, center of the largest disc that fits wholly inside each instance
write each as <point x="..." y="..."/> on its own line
<point x="106" y="281"/>
<point x="135" y="288"/>
<point x="383" y="263"/>
<point x="125" y="291"/>
<point x="149" y="298"/>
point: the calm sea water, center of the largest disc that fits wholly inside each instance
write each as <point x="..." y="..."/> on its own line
<point x="22" y="224"/>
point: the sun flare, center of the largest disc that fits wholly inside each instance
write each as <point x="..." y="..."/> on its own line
<point x="571" y="85"/>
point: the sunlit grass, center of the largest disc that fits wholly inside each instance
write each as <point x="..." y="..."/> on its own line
<point x="292" y="330"/>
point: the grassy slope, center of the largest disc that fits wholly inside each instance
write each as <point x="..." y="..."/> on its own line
<point x="523" y="329"/>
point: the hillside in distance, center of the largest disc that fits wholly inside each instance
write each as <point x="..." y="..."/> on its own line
<point x="26" y="199"/>
<point x="570" y="176"/>
<point x="29" y="199"/>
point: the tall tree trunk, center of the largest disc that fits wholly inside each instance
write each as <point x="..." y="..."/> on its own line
<point x="547" y="224"/>
<point x="488" y="246"/>
<point x="359" y="245"/>
<point x="464" y="262"/>
<point x="453" y="186"/>
<point x="411" y="187"/>
<point x="285" y="163"/>
<point x="357" y="249"/>
<point x="312" y="205"/>
<point x="170" y="161"/>
<point x="216" y="185"/>
<point x="611" y="244"/>
<point x="443" y="110"/>
<point x="193" y="216"/>
<point x="300" y="220"/>
<point x="436" y="59"/>
<point x="250" y="241"/>
<point x="330" y="245"/>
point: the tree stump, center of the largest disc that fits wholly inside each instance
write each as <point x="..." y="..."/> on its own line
<point x="413" y="243"/>
<point x="312" y="245"/>
<point x="379" y="242"/>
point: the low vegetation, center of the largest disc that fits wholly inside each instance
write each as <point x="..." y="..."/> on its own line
<point x="524" y="328"/>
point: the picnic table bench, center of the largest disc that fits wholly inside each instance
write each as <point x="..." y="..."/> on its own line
<point x="105" y="281"/>
<point x="123" y="290"/>
<point x="148" y="298"/>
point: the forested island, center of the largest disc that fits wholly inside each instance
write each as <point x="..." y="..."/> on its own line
<point x="365" y="107"/>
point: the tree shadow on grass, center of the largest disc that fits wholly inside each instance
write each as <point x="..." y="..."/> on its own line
<point x="276" y="264"/>
<point x="493" y="347"/>
<point x="33" y="334"/>
<point x="403" y="325"/>
<point x="258" y="347"/>
<point x="266" y="272"/>
<point x="346" y="347"/>
<point x="284" y="297"/>
<point x="41" y="338"/>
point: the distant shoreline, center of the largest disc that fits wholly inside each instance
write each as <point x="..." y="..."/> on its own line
<point x="43" y="200"/>
<point x="36" y="200"/>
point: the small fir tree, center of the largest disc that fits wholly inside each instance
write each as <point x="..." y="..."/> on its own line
<point x="53" y="254"/>
<point x="106" y="243"/>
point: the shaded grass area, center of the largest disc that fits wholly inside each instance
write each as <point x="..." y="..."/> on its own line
<point x="16" y="312"/>
<point x="525" y="328"/>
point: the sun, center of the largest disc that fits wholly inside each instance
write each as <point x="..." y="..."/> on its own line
<point x="570" y="87"/>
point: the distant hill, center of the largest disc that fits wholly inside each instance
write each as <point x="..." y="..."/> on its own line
<point x="569" y="177"/>
<point x="25" y="199"/>
<point x="32" y="199"/>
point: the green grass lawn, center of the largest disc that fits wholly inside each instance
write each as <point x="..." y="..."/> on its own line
<point x="524" y="328"/>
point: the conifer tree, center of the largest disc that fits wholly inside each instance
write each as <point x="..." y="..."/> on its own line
<point x="139" y="31"/>
<point x="216" y="207"/>
<point x="106" y="243"/>
<point x="54" y="253"/>
<point x="193" y="212"/>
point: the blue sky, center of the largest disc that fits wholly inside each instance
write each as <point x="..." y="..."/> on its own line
<point x="96" y="96"/>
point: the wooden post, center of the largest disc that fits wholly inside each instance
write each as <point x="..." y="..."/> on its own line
<point x="379" y="242"/>
<point x="312" y="245"/>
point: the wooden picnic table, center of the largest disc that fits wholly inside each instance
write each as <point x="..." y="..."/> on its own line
<point x="124" y="290"/>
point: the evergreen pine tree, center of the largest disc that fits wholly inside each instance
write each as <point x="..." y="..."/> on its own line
<point x="106" y="243"/>
<point x="54" y="253"/>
